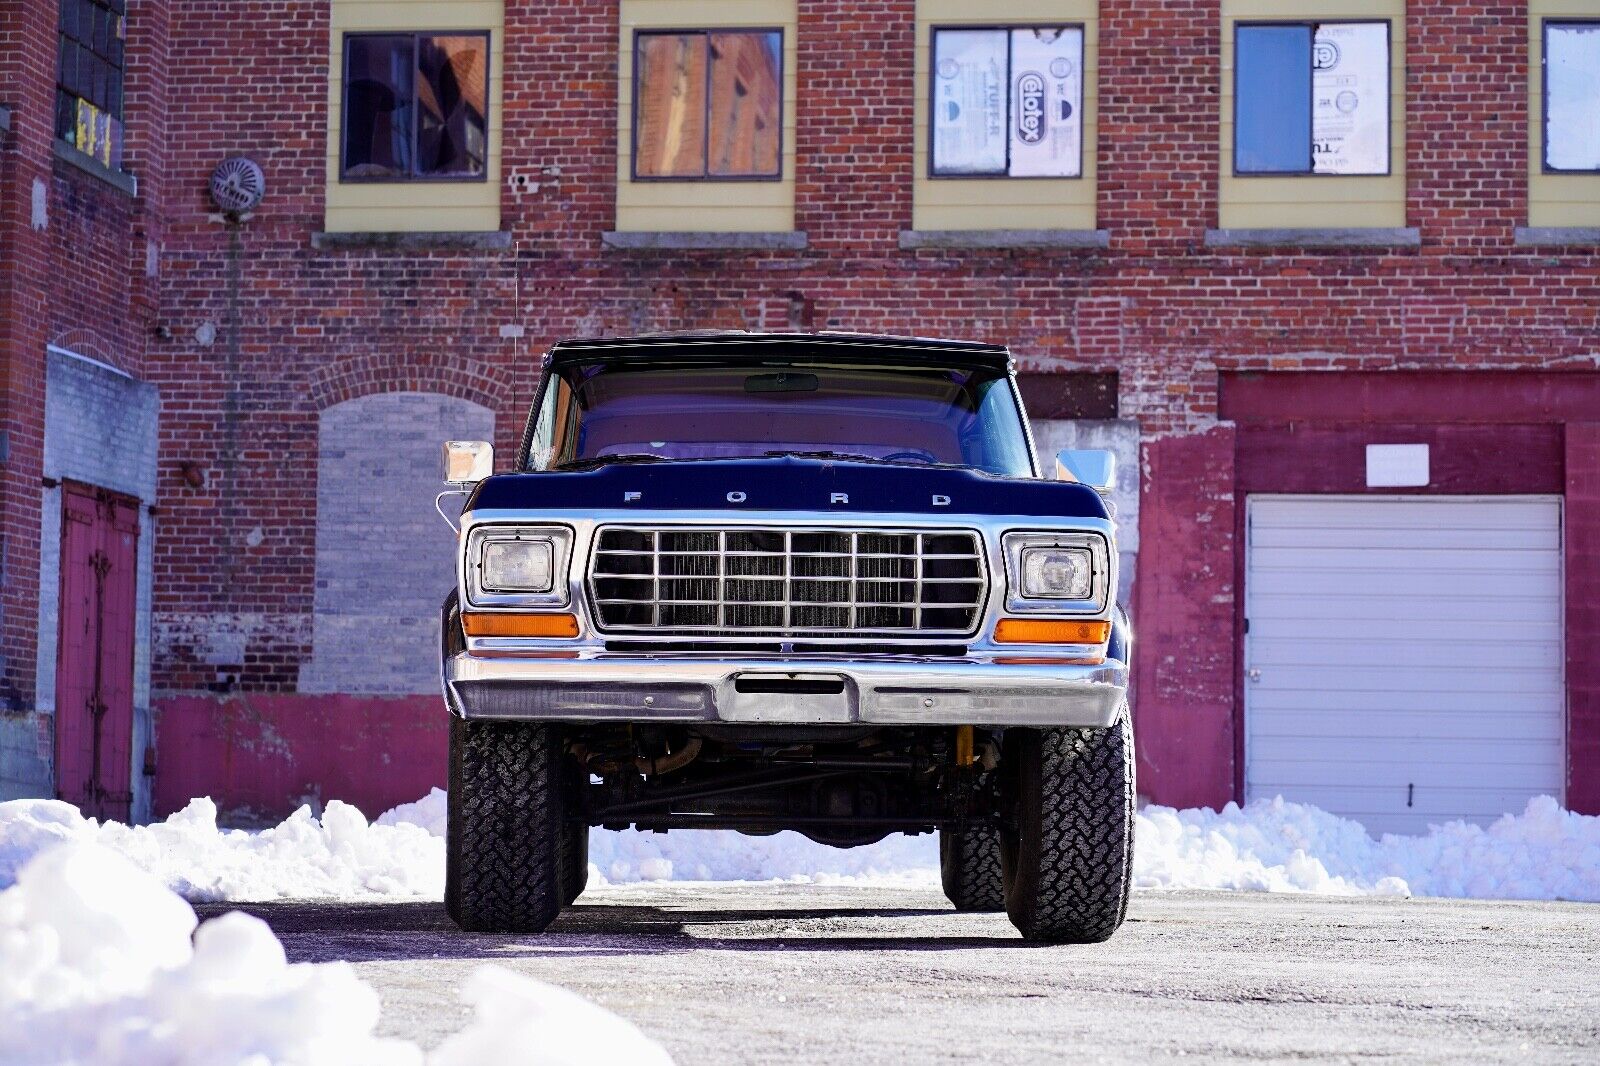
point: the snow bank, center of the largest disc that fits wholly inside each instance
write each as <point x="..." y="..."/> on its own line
<point x="1274" y="846"/>
<point x="339" y="855"/>
<point x="97" y="967"/>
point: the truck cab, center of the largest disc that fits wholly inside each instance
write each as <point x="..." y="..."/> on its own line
<point x="809" y="582"/>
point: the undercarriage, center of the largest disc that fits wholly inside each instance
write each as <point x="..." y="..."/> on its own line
<point x="844" y="785"/>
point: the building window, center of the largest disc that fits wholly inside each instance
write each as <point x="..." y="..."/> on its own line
<point x="1311" y="98"/>
<point x="416" y="107"/>
<point x="1007" y="102"/>
<point x="89" y="78"/>
<point x="1572" y="96"/>
<point x="708" y="105"/>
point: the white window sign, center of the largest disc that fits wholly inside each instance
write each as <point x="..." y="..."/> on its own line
<point x="969" y="102"/>
<point x="1046" y="101"/>
<point x="1572" y="96"/>
<point x="1350" y="98"/>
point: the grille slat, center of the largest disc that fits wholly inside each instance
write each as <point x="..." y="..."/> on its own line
<point x="787" y="582"/>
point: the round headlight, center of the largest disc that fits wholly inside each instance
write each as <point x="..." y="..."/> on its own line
<point x="519" y="565"/>
<point x="1058" y="573"/>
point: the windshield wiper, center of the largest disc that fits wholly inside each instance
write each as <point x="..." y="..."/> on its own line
<point x="620" y="459"/>
<point x="823" y="455"/>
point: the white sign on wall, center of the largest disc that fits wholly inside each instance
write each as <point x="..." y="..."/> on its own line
<point x="1046" y="97"/>
<point x="1572" y="96"/>
<point x="969" y="102"/>
<point x="1350" y="98"/>
<point x="1395" y="466"/>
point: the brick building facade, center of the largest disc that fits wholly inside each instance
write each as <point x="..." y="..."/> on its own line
<point x="296" y="368"/>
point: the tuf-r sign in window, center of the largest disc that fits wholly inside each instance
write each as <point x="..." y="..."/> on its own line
<point x="1007" y="102"/>
<point x="1311" y="98"/>
<point x="416" y="107"/>
<point x="708" y="105"/>
<point x="1572" y="96"/>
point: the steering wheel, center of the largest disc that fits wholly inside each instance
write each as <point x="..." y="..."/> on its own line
<point x="916" y="457"/>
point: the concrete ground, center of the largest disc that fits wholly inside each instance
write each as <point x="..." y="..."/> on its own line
<point x="794" y="973"/>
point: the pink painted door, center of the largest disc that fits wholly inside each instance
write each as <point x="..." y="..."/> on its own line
<point x="94" y="664"/>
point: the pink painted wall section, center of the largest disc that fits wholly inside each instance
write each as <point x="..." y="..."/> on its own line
<point x="1183" y="682"/>
<point x="1582" y="520"/>
<point x="261" y="756"/>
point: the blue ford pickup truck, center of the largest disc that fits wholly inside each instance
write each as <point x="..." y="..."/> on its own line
<point x="816" y="582"/>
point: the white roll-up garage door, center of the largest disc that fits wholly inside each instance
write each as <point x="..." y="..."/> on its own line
<point x="1403" y="661"/>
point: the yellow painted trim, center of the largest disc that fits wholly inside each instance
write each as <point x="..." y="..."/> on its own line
<point x="1005" y="203"/>
<point x="413" y="207"/>
<point x="1325" y="200"/>
<point x="1554" y="199"/>
<point x="711" y="206"/>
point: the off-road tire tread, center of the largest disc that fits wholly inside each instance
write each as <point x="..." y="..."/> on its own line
<point x="969" y="866"/>
<point x="503" y="854"/>
<point x="1069" y="864"/>
<point x="575" y="864"/>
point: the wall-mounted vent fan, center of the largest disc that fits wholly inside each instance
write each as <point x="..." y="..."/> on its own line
<point x="237" y="185"/>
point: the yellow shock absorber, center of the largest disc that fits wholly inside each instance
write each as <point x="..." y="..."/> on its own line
<point x="964" y="755"/>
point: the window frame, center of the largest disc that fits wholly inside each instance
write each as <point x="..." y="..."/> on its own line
<point x="1545" y="24"/>
<point x="1388" y="97"/>
<point x="121" y="70"/>
<point x="933" y="70"/>
<point x="639" y="34"/>
<point x="344" y="108"/>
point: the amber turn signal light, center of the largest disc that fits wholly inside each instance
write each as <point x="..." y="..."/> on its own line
<point x="1050" y="631"/>
<point x="518" y="625"/>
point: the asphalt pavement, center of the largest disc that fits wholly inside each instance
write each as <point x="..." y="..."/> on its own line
<point x="808" y="974"/>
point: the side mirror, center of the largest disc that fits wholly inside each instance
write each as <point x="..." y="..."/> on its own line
<point x="1093" y="467"/>
<point x="467" y="462"/>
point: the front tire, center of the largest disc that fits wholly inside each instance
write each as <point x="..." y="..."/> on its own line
<point x="969" y="866"/>
<point x="575" y="866"/>
<point x="503" y="853"/>
<point x="1068" y="857"/>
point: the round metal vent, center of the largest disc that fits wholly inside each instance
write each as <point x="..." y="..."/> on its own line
<point x="237" y="185"/>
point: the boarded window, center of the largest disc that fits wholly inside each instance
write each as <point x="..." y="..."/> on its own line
<point x="89" y="77"/>
<point x="708" y="104"/>
<point x="1311" y="98"/>
<point x="1008" y="102"/>
<point x="416" y="106"/>
<point x="1572" y="96"/>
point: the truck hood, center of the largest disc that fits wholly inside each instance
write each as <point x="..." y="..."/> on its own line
<point x="785" y="483"/>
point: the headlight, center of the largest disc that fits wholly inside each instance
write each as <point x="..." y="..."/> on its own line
<point x="518" y="567"/>
<point x="1058" y="573"/>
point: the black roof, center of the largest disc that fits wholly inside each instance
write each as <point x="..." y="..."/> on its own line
<point x="738" y="344"/>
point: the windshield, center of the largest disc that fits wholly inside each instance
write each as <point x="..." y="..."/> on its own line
<point x="933" y="415"/>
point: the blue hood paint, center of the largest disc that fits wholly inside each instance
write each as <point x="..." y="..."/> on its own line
<point x="783" y="484"/>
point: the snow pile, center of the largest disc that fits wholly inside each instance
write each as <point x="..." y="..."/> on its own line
<point x="516" y="1014"/>
<point x="1543" y="853"/>
<point x="97" y="967"/>
<point x="338" y="855"/>
<point x="1275" y="846"/>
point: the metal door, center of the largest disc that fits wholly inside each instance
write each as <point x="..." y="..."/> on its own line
<point x="1404" y="655"/>
<point x="94" y="664"/>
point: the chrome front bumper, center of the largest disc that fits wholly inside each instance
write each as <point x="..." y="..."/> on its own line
<point x="799" y="690"/>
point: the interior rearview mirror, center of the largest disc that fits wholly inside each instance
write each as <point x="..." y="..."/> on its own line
<point x="1094" y="467"/>
<point x="467" y="462"/>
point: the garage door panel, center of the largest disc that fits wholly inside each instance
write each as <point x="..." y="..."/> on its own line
<point x="1408" y="539"/>
<point x="1320" y="701"/>
<point x="1403" y="725"/>
<point x="1462" y="582"/>
<point x="1466" y="607"/>
<point x="1417" y="654"/>
<point x="1458" y="757"/>
<point x="1406" y="655"/>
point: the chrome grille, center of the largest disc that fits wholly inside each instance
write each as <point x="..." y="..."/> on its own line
<point x="787" y="581"/>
